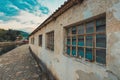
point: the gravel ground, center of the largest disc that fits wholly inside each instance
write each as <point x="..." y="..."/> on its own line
<point x="19" y="64"/>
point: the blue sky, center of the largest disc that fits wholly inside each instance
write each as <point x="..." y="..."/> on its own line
<point x="26" y="15"/>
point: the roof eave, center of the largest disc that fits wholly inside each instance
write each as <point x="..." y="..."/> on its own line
<point x="68" y="4"/>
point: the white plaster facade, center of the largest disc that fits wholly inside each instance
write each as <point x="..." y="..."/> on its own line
<point x="69" y="68"/>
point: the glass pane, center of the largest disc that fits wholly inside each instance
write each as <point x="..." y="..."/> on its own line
<point x="89" y="55"/>
<point x="100" y="28"/>
<point x="73" y="30"/>
<point x="90" y="27"/>
<point x="81" y="29"/>
<point x="40" y="40"/>
<point x="100" y="25"/>
<point x="68" y="41"/>
<point x="80" y="40"/>
<point x="101" y="56"/>
<point x="68" y="50"/>
<point x="89" y="41"/>
<point x="81" y="52"/>
<point x="68" y="31"/>
<point x="100" y="22"/>
<point x="101" y="40"/>
<point x="74" y="40"/>
<point x="73" y="51"/>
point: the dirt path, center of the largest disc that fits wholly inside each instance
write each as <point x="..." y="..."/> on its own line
<point x="18" y="64"/>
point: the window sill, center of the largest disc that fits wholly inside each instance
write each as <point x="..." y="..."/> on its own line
<point x="87" y="63"/>
<point x="49" y="50"/>
<point x="40" y="46"/>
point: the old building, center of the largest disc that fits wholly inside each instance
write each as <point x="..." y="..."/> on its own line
<point x="81" y="40"/>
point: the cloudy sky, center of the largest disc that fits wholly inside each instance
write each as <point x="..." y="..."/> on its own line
<point x="26" y="15"/>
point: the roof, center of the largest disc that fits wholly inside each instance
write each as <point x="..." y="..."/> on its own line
<point x="68" y="4"/>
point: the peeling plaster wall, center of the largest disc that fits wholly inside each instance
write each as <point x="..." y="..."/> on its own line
<point x="113" y="31"/>
<point x="67" y="68"/>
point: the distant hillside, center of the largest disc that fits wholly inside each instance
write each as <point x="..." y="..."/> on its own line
<point x="11" y="35"/>
<point x="24" y="34"/>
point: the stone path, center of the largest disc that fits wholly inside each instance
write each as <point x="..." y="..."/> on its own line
<point x="18" y="64"/>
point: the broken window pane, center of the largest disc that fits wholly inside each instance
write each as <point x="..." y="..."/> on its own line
<point x="101" y="40"/>
<point x="81" y="29"/>
<point x="89" y="54"/>
<point x="101" y="56"/>
<point x="89" y="41"/>
<point x="68" y="50"/>
<point x="81" y="51"/>
<point x="74" y="40"/>
<point x="100" y="25"/>
<point x="73" y="30"/>
<point x="80" y="40"/>
<point x="90" y="27"/>
<point x="73" y="51"/>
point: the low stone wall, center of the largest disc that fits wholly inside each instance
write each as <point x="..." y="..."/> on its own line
<point x="7" y="46"/>
<point x="2" y="44"/>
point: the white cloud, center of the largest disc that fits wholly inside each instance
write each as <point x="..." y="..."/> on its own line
<point x="25" y="20"/>
<point x="1" y="13"/>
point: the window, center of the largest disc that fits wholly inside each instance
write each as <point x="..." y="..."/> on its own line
<point x="40" y="40"/>
<point x="88" y="40"/>
<point x="32" y="40"/>
<point x="50" y="40"/>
